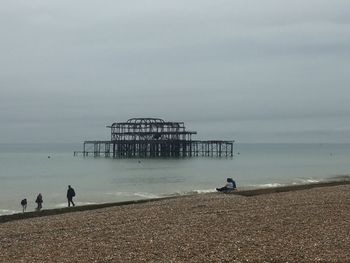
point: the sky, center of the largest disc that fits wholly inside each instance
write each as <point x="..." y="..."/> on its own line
<point x="249" y="71"/>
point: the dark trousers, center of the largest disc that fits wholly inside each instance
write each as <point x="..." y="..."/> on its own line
<point x="39" y="206"/>
<point x="70" y="200"/>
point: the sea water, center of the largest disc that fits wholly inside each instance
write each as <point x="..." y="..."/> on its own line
<point x="29" y="169"/>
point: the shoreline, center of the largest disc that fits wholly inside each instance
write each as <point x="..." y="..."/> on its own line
<point x="246" y="193"/>
<point x="306" y="223"/>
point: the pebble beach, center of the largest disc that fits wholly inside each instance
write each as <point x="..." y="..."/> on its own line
<point x="303" y="225"/>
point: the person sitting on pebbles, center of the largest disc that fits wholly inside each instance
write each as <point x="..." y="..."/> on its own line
<point x="230" y="185"/>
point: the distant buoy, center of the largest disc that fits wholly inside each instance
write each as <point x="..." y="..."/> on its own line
<point x="49" y="156"/>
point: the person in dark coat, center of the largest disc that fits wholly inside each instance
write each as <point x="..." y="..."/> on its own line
<point x="70" y="195"/>
<point x="39" y="201"/>
<point x="24" y="204"/>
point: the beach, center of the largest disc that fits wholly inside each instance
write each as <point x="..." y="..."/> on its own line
<point x="310" y="225"/>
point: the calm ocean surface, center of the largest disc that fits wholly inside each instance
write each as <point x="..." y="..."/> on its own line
<point x="26" y="170"/>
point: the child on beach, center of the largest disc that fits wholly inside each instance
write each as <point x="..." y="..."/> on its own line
<point x="24" y="204"/>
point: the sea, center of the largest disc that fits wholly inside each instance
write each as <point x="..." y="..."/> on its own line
<point x="29" y="169"/>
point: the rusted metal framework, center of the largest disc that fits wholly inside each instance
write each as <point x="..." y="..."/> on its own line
<point x="153" y="137"/>
<point x="150" y="137"/>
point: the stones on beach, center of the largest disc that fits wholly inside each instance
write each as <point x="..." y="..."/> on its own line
<point x="300" y="226"/>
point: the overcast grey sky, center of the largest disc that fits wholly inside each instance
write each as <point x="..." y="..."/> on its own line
<point x="253" y="71"/>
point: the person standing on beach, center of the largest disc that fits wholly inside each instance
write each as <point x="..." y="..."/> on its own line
<point x="70" y="195"/>
<point x="39" y="201"/>
<point x="24" y="204"/>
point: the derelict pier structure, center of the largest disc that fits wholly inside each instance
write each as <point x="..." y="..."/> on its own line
<point x="153" y="137"/>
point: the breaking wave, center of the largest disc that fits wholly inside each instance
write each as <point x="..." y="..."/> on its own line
<point x="147" y="195"/>
<point x="8" y="212"/>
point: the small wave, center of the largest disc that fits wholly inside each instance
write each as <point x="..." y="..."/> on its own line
<point x="146" y="195"/>
<point x="8" y="212"/>
<point x="306" y="181"/>
<point x="312" y="181"/>
<point x="191" y="192"/>
<point x="172" y="194"/>
<point x="340" y="177"/>
<point x="130" y="194"/>
<point x="85" y="203"/>
<point x="269" y="185"/>
<point x="60" y="205"/>
<point x="118" y="193"/>
<point x="204" y="191"/>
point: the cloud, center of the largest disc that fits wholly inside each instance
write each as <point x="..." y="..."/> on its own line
<point x="83" y="62"/>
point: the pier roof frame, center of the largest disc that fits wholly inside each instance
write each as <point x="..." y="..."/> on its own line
<point x="149" y="128"/>
<point x="157" y="122"/>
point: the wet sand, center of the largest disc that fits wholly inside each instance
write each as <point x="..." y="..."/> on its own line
<point x="305" y="224"/>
